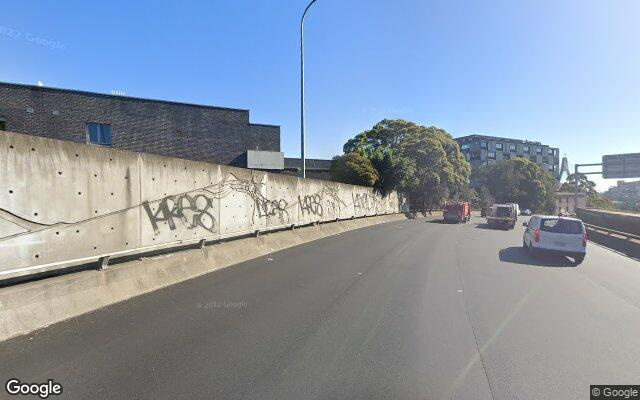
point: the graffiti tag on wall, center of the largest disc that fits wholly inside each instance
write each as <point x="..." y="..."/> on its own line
<point x="366" y="202"/>
<point x="196" y="209"/>
<point x="327" y="200"/>
<point x="311" y="204"/>
<point x="192" y="211"/>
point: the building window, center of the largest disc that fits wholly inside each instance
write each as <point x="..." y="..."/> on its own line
<point x="498" y="146"/>
<point x="538" y="150"/>
<point x="483" y="144"/>
<point x="526" y="149"/>
<point x="3" y="124"/>
<point x="467" y="156"/>
<point x="484" y="162"/>
<point x="533" y="158"/>
<point x="506" y="156"/>
<point x="491" y="154"/>
<point x="465" y="147"/>
<point x="545" y="160"/>
<point x="99" y="134"/>
<point x="551" y="152"/>
<point x="512" y="147"/>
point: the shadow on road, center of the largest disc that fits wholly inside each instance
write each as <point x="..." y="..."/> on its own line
<point x="519" y="255"/>
<point x="439" y="220"/>
<point x="485" y="225"/>
<point x="415" y="214"/>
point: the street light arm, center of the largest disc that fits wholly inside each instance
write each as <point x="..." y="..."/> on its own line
<point x="304" y="14"/>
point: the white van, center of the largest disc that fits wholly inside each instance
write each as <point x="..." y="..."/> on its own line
<point x="556" y="235"/>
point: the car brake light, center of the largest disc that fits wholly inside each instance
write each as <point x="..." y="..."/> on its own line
<point x="584" y="239"/>
<point x="536" y="235"/>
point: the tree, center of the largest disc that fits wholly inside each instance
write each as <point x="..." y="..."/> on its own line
<point x="598" y="201"/>
<point x="441" y="170"/>
<point x="486" y="198"/>
<point x="594" y="200"/>
<point x="423" y="162"/>
<point x="584" y="184"/>
<point x="521" y="181"/>
<point x="382" y="145"/>
<point x="470" y="195"/>
<point x="353" y="168"/>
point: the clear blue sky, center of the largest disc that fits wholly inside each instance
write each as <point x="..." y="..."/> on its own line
<point x="564" y="72"/>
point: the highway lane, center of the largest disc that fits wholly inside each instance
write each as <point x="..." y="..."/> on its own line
<point x="404" y="310"/>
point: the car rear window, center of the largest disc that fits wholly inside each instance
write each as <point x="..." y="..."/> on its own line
<point x="556" y="225"/>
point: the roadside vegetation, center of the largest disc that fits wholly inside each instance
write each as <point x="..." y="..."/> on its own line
<point x="517" y="180"/>
<point x="594" y="199"/>
<point x="424" y="163"/>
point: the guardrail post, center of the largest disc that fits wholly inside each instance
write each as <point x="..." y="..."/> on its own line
<point x="103" y="262"/>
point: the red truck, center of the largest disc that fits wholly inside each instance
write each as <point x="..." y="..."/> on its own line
<point x="456" y="212"/>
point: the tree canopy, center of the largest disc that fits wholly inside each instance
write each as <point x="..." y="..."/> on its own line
<point x="521" y="181"/>
<point x="423" y="162"/>
<point x="594" y="200"/>
<point x="584" y="184"/>
<point x="353" y="168"/>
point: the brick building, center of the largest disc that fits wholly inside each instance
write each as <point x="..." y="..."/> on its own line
<point x="196" y="132"/>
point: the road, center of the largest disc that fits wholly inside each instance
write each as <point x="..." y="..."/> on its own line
<point x="404" y="310"/>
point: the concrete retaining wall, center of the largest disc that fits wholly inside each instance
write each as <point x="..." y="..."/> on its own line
<point x="64" y="204"/>
<point x="37" y="304"/>
<point x="618" y="221"/>
<point x="628" y="246"/>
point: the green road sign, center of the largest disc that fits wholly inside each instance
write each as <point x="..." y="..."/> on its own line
<point x="619" y="166"/>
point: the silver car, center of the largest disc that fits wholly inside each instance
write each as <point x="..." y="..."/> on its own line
<point x="556" y="235"/>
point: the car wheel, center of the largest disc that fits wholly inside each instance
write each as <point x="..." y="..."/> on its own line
<point x="577" y="260"/>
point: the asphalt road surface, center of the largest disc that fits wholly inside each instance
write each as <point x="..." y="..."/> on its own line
<point x="404" y="310"/>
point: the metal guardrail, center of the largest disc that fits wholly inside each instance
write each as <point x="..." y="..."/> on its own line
<point x="625" y="235"/>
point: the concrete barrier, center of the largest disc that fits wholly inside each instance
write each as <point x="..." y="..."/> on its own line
<point x="64" y="204"/>
<point x="37" y="304"/>
<point x="618" y="221"/>
<point x="616" y="230"/>
<point x="619" y="241"/>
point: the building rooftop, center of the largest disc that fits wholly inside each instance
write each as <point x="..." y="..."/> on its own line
<point x="120" y="97"/>
<point x="311" y="163"/>
<point x="499" y="138"/>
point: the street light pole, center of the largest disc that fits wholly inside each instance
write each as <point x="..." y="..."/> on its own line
<point x="575" y="194"/>
<point x="302" y="156"/>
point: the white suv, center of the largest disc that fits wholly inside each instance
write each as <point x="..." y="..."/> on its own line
<point x="556" y="235"/>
